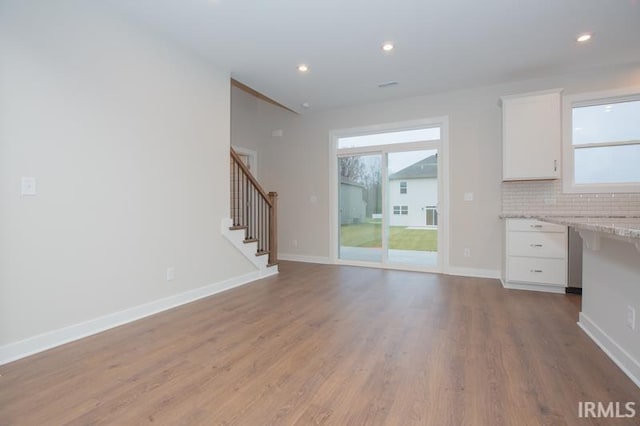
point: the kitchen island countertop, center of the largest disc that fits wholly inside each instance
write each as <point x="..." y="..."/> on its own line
<point x="622" y="226"/>
<point x="628" y="227"/>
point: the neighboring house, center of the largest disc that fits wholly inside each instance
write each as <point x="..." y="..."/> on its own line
<point x="353" y="207"/>
<point x="413" y="194"/>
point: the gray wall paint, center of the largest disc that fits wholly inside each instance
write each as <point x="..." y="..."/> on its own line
<point x="128" y="137"/>
<point x="297" y="164"/>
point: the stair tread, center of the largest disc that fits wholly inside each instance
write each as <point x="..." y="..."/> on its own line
<point x="250" y="240"/>
<point x="272" y="264"/>
<point x="262" y="253"/>
<point x="233" y="228"/>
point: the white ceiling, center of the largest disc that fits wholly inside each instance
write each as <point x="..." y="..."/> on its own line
<point x="440" y="44"/>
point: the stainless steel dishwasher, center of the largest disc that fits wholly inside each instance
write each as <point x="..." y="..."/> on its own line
<point x="574" y="283"/>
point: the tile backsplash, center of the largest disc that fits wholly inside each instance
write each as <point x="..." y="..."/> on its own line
<point x="546" y="197"/>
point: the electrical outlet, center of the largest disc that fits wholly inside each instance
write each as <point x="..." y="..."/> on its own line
<point x="171" y="273"/>
<point x="467" y="252"/>
<point x="468" y="196"/>
<point x="28" y="186"/>
<point x="631" y="317"/>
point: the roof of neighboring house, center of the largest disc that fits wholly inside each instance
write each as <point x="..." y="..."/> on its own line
<point x="426" y="168"/>
<point x="347" y="181"/>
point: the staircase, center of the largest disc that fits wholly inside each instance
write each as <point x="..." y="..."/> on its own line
<point x="253" y="223"/>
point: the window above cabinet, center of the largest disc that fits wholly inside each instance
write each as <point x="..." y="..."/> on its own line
<point x="601" y="142"/>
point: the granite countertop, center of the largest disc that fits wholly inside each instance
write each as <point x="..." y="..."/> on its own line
<point x="628" y="227"/>
<point x="541" y="216"/>
<point x="622" y="225"/>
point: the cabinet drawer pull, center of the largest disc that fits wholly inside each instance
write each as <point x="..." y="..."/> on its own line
<point x="535" y="245"/>
<point x="536" y="270"/>
<point x="536" y="226"/>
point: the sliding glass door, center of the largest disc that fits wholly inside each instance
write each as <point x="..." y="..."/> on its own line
<point x="412" y="188"/>
<point x="360" y="207"/>
<point x="389" y="193"/>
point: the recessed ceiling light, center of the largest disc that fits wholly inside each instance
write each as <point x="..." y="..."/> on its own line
<point x="388" y="46"/>
<point x="305" y="105"/>
<point x="583" y="37"/>
<point x="303" y="68"/>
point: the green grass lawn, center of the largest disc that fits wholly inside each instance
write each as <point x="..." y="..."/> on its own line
<point x="400" y="238"/>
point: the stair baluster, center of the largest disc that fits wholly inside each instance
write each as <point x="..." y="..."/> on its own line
<point x="253" y="209"/>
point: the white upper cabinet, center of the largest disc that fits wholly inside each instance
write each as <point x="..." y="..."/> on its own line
<point x="531" y="136"/>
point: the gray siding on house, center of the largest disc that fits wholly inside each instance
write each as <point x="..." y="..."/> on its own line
<point x="352" y="205"/>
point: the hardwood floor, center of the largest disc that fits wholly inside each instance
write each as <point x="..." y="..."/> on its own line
<point x="337" y="345"/>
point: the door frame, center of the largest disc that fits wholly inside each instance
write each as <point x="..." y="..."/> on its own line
<point x="251" y="155"/>
<point x="443" y="186"/>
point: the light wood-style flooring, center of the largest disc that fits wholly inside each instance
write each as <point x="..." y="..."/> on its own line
<point x="335" y="345"/>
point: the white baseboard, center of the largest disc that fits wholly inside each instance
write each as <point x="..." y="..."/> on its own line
<point x="545" y="288"/>
<point x="42" y="342"/>
<point x="473" y="272"/>
<point x="628" y="364"/>
<point x="302" y="258"/>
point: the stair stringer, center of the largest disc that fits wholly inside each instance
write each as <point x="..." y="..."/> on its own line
<point x="249" y="250"/>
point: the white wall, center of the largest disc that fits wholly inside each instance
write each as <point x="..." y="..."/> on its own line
<point x="252" y="123"/>
<point x="297" y="164"/>
<point x="611" y="276"/>
<point x="420" y="193"/>
<point x="128" y="137"/>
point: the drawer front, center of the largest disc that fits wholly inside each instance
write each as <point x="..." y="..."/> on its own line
<point x="537" y="244"/>
<point x="537" y="270"/>
<point x="532" y="225"/>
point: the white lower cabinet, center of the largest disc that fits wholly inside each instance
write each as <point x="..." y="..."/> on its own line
<point x="536" y="256"/>
<point x="535" y="270"/>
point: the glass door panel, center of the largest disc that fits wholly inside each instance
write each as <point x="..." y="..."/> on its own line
<point x="412" y="188"/>
<point x="360" y="206"/>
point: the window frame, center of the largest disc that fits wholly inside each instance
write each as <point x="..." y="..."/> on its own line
<point x="444" y="187"/>
<point x="405" y="186"/>
<point x="400" y="210"/>
<point x="568" y="149"/>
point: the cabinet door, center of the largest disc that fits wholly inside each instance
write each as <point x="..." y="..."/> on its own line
<point x="537" y="270"/>
<point x="531" y="135"/>
<point x="533" y="225"/>
<point x="537" y="244"/>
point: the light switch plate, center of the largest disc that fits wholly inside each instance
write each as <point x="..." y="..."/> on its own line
<point x="171" y="273"/>
<point x="468" y="196"/>
<point x="631" y="317"/>
<point x="28" y="186"/>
